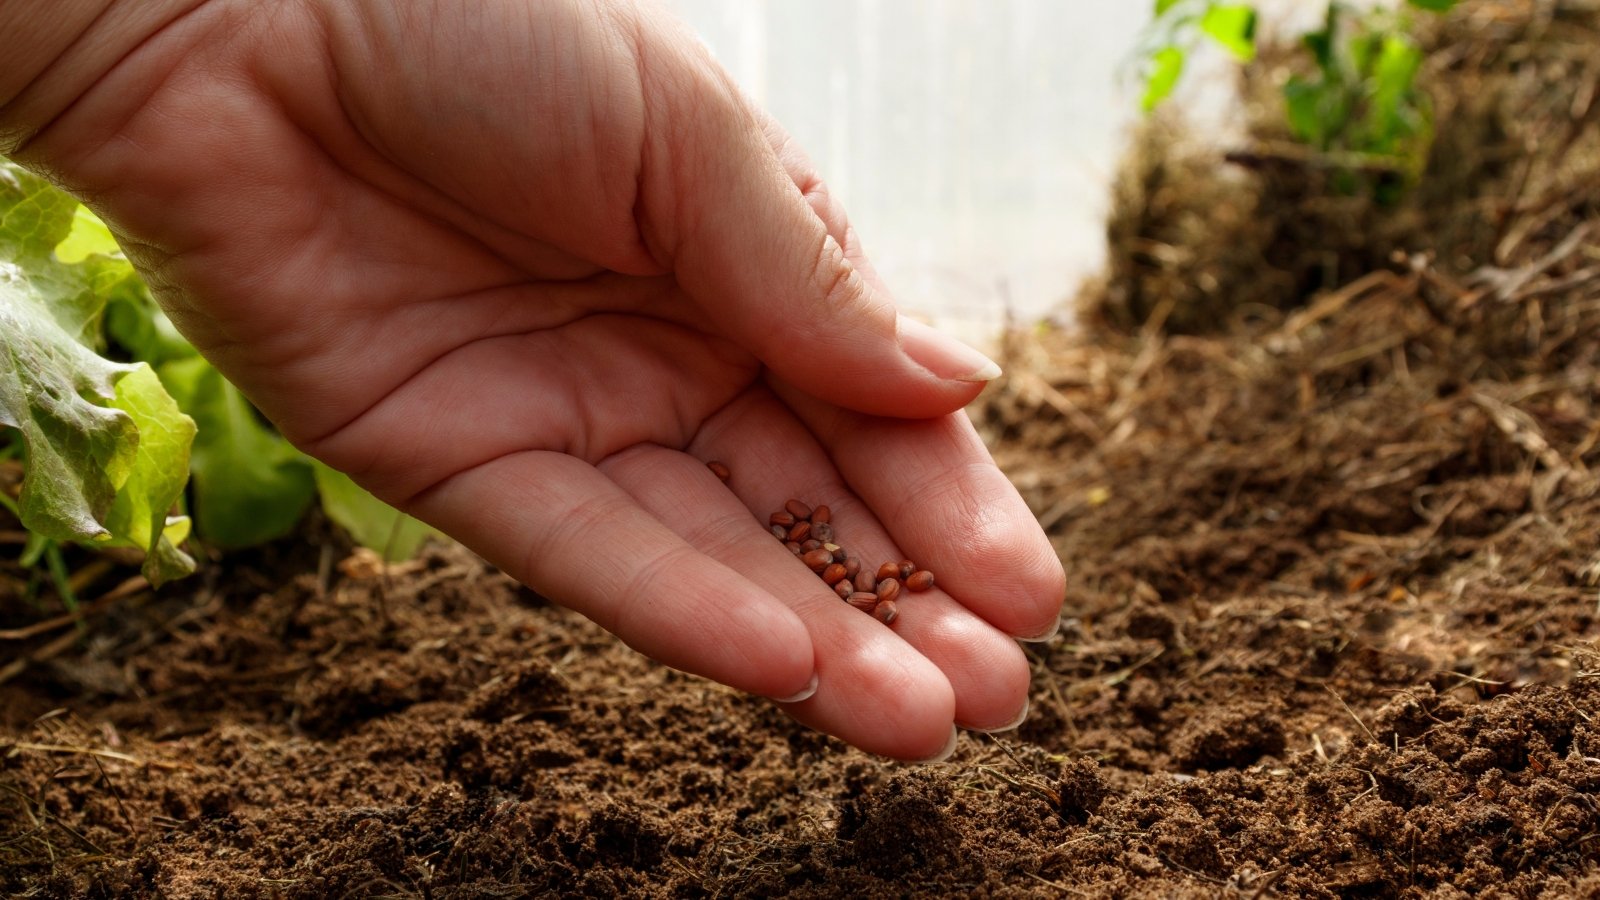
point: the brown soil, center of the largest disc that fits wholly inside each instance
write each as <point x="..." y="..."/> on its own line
<point x="1333" y="630"/>
<point x="1330" y="633"/>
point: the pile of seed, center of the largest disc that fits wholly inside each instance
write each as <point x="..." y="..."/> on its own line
<point x="808" y="533"/>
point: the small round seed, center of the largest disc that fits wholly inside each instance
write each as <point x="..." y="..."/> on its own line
<point x="886" y="612"/>
<point x="844" y="589"/>
<point x="817" y="560"/>
<point x="781" y="518"/>
<point x="865" y="581"/>
<point x="906" y="568"/>
<point x="888" y="589"/>
<point x="822" y="530"/>
<point x="719" y="470"/>
<point x="852" y="565"/>
<point x="793" y="548"/>
<point x="810" y="545"/>
<point x="920" y="580"/>
<point x="834" y="573"/>
<point x="888" y="570"/>
<point x="821" y="515"/>
<point x="800" y="531"/>
<point x="862" y="601"/>
<point x="779" y="532"/>
<point x="798" y="510"/>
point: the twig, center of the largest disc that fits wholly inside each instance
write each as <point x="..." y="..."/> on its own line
<point x="1370" y="735"/>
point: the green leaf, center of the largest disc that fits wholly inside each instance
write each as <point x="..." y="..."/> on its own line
<point x="373" y="523"/>
<point x="87" y="237"/>
<point x="1163" y="5"/>
<point x="1233" y="25"/>
<point x="1435" y="5"/>
<point x="1303" y="108"/>
<point x="139" y="514"/>
<point x="250" y="485"/>
<point x="1166" y="66"/>
<point x="79" y="449"/>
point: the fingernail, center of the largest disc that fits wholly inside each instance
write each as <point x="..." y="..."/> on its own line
<point x="948" y="751"/>
<point x="943" y="355"/>
<point x="1055" y="629"/>
<point x="1015" y="723"/>
<point x="805" y="693"/>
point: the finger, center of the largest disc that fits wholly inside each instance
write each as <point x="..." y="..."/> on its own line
<point x="938" y="491"/>
<point x="873" y="690"/>
<point x="718" y="206"/>
<point x="559" y="526"/>
<point x="777" y="459"/>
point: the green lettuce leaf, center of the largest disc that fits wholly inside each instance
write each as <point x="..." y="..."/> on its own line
<point x="250" y="485"/>
<point x="373" y="523"/>
<point x="106" y="450"/>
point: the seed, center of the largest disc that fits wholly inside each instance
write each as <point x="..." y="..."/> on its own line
<point x="886" y="612"/>
<point x="919" y="581"/>
<point x="779" y="532"/>
<point x="781" y="518"/>
<point x="821" y="516"/>
<point x="800" y="531"/>
<point x="852" y="565"/>
<point x="844" y="589"/>
<point x="822" y="530"/>
<point x="888" y="589"/>
<point x="888" y="570"/>
<point x="719" y="470"/>
<point x="797" y="509"/>
<point x="865" y="581"/>
<point x="793" y="548"/>
<point x="834" y="573"/>
<point x="834" y="549"/>
<point x="808" y="546"/>
<point x="862" y="601"/>
<point x="906" y="568"/>
<point x="817" y="559"/>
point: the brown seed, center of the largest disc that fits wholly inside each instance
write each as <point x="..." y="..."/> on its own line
<point x="779" y="532"/>
<point x="865" y="581"/>
<point x="817" y="559"/>
<point x="834" y="573"/>
<point x="781" y="518"/>
<point x="888" y="589"/>
<point x="821" y="515"/>
<point x="920" y="580"/>
<point x="844" y="589"/>
<point x="888" y="570"/>
<point x="793" y="548"/>
<point x="906" y="568"/>
<point x="862" y="600"/>
<point x="800" y="531"/>
<point x="719" y="470"/>
<point x="797" y="509"/>
<point x="886" y="612"/>
<point x="822" y="530"/>
<point x="808" y="546"/>
<point x="852" y="565"/>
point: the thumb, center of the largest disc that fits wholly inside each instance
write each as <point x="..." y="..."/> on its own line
<point x="749" y="245"/>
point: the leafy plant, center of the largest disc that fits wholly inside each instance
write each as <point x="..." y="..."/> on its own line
<point x="1360" y="103"/>
<point x="112" y="411"/>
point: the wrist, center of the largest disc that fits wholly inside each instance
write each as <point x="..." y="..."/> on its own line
<point x="55" y="50"/>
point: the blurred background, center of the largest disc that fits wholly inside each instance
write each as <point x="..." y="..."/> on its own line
<point x="973" y="143"/>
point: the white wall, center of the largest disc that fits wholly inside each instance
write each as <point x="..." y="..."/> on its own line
<point x="972" y="142"/>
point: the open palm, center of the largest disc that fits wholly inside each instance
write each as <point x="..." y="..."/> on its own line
<point x="520" y="269"/>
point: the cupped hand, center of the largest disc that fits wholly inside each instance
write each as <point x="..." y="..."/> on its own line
<point x="521" y="268"/>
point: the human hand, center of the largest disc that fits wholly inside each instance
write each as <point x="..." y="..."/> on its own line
<point x="520" y="268"/>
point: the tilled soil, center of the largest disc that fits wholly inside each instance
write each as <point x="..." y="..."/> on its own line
<point x="1330" y="633"/>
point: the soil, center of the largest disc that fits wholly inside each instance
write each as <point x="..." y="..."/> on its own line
<point x="1332" y="625"/>
<point x="1330" y="633"/>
